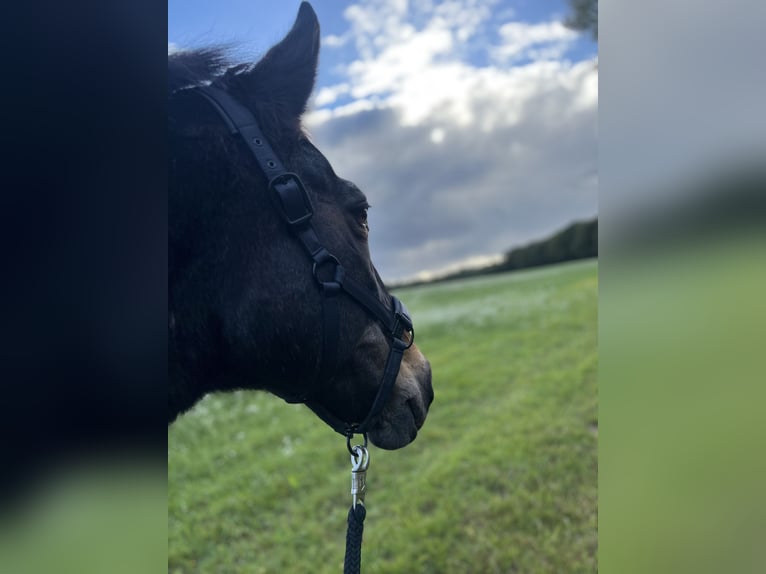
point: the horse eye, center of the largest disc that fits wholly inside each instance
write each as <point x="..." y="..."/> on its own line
<point x="361" y="218"/>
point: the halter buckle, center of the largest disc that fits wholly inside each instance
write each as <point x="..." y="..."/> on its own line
<point x="402" y="324"/>
<point x="294" y="203"/>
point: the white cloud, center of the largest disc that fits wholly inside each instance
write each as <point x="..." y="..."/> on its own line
<point x="318" y="117"/>
<point x="333" y="41"/>
<point x="475" y="262"/>
<point x="544" y="41"/>
<point x="437" y="135"/>
<point x="328" y="95"/>
<point x="459" y="160"/>
<point x="424" y="71"/>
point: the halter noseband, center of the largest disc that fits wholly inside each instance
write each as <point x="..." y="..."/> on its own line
<point x="294" y="205"/>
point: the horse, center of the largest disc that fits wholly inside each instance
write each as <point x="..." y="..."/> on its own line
<point x="259" y="298"/>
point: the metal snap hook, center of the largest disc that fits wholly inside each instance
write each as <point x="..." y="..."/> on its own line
<point x="349" y="436"/>
<point x="360" y="461"/>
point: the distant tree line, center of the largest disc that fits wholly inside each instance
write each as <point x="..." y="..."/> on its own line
<point x="715" y="202"/>
<point x="577" y="241"/>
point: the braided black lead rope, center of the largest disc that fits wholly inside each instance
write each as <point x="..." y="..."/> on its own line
<point x="360" y="462"/>
<point x="353" y="562"/>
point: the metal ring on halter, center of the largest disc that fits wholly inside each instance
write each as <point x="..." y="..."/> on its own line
<point x="349" y="436"/>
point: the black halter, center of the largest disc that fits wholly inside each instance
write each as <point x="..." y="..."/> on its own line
<point x="294" y="205"/>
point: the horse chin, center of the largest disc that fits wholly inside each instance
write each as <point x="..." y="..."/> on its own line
<point x="391" y="436"/>
<point x="406" y="411"/>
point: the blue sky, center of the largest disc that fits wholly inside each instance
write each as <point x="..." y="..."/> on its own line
<point x="470" y="124"/>
<point x="256" y="25"/>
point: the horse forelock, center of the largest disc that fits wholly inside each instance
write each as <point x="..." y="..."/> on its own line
<point x="252" y="83"/>
<point x="196" y="67"/>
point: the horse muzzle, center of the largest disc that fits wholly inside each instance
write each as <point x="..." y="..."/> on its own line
<point x="405" y="412"/>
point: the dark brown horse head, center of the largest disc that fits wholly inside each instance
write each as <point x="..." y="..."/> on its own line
<point x="245" y="308"/>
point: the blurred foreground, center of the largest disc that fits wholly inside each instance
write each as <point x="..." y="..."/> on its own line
<point x="682" y="334"/>
<point x="102" y="515"/>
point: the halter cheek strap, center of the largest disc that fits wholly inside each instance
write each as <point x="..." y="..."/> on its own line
<point x="293" y="203"/>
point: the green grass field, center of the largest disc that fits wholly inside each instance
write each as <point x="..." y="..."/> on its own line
<point x="502" y="478"/>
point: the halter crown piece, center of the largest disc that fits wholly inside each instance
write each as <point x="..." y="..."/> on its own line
<point x="294" y="205"/>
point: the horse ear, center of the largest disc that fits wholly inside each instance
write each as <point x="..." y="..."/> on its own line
<point x="286" y="74"/>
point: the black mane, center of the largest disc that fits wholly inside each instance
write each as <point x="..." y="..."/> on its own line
<point x="195" y="67"/>
<point x="251" y="81"/>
